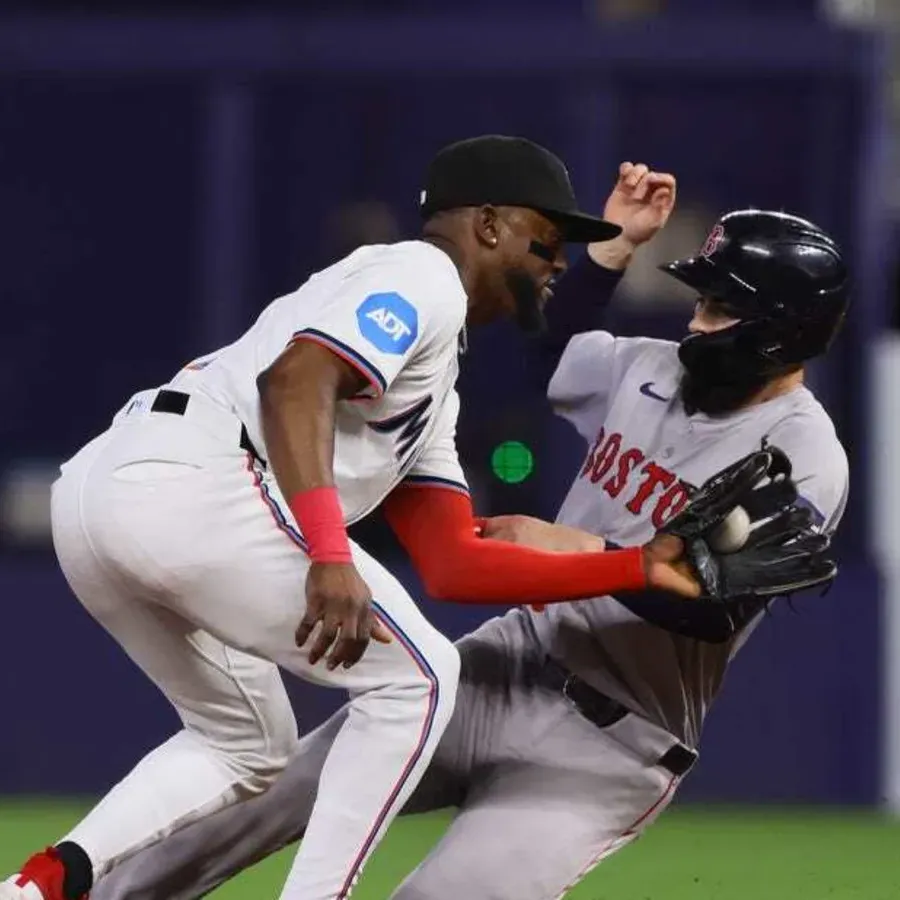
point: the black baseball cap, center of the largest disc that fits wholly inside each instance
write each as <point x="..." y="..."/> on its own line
<point x="510" y="171"/>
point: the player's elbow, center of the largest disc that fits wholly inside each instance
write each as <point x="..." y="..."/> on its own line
<point x="441" y="582"/>
<point x="439" y="587"/>
<point x="280" y="378"/>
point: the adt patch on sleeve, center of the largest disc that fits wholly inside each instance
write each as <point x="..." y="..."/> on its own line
<point x="388" y="322"/>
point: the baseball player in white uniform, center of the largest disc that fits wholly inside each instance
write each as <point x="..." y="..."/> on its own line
<point x="574" y="726"/>
<point x="189" y="528"/>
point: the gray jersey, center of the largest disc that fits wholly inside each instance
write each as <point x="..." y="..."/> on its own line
<point x="621" y="395"/>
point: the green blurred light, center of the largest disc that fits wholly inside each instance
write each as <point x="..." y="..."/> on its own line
<point x="512" y="462"/>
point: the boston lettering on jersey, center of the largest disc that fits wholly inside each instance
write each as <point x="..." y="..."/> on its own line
<point x="627" y="473"/>
<point x="408" y="426"/>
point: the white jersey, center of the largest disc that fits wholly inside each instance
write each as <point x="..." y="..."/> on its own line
<point x="395" y="312"/>
<point x="622" y="396"/>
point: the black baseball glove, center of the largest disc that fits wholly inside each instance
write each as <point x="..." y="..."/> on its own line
<point x="783" y="553"/>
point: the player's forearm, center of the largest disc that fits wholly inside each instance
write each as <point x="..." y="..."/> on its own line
<point x="579" y="304"/>
<point x="437" y="530"/>
<point x="489" y="571"/>
<point x="614" y="255"/>
<point x="298" y="402"/>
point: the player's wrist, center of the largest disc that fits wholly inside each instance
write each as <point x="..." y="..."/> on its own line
<point x="320" y="518"/>
<point x="615" y="255"/>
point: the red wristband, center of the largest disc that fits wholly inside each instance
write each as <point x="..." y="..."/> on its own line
<point x="320" y="517"/>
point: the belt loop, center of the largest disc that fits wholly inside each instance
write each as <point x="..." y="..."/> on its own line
<point x="166" y="401"/>
<point x="247" y="445"/>
<point x="176" y="403"/>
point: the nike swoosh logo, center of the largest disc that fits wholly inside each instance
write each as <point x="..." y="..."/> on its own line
<point x="647" y="390"/>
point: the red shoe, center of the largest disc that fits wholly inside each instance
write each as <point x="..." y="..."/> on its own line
<point x="41" y="878"/>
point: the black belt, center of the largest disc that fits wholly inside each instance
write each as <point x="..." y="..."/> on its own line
<point x="603" y="711"/>
<point x="176" y="403"/>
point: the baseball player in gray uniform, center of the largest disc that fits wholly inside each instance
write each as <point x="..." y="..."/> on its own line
<point x="574" y="725"/>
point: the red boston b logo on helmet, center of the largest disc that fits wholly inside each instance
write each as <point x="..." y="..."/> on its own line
<point x="716" y="236"/>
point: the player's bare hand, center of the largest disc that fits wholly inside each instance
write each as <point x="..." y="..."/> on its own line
<point x="640" y="203"/>
<point x="541" y="535"/>
<point x="340" y="603"/>
<point x="666" y="568"/>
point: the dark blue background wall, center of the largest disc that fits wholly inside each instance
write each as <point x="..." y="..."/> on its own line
<point x="160" y="182"/>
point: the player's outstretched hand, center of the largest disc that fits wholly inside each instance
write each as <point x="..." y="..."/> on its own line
<point x="640" y="203"/>
<point x="340" y="602"/>
<point x="667" y="569"/>
<point x="743" y="535"/>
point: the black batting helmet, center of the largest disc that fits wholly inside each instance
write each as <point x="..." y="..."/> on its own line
<point x="782" y="276"/>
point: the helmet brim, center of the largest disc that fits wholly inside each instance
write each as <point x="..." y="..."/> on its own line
<point x="709" y="280"/>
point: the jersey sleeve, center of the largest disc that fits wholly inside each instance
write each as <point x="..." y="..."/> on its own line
<point x="380" y="316"/>
<point x="438" y="464"/>
<point x="580" y="388"/>
<point x="819" y="467"/>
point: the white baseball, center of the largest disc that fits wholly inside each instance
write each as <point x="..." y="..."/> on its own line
<point x="732" y="533"/>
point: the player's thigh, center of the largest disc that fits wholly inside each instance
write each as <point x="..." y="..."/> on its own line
<point x="215" y="543"/>
<point x="233" y="700"/>
<point x="531" y="829"/>
<point x="209" y="540"/>
<point x="257" y="604"/>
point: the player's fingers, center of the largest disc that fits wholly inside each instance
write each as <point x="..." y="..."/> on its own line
<point x="642" y="191"/>
<point x="661" y="179"/>
<point x="624" y="169"/>
<point x="664" y="192"/>
<point x="661" y="186"/>
<point x="349" y="648"/>
<point x="324" y="639"/>
<point x="347" y="653"/>
<point x="306" y="626"/>
<point x="352" y="640"/>
<point x="661" y="198"/>
<point x="676" y="578"/>
<point x="364" y="628"/>
<point x="638" y="172"/>
<point x="381" y="633"/>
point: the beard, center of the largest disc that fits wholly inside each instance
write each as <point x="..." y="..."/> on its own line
<point x="716" y="399"/>
<point x="526" y="294"/>
<point x="720" y="373"/>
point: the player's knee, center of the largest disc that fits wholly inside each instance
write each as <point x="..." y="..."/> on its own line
<point x="449" y="664"/>
<point x="435" y="675"/>
<point x="445" y="664"/>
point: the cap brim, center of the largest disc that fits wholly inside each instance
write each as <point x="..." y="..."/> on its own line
<point x="580" y="228"/>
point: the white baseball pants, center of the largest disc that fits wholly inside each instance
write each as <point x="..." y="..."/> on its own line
<point x="184" y="551"/>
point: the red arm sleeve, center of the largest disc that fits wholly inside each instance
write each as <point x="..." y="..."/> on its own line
<point x="437" y="529"/>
